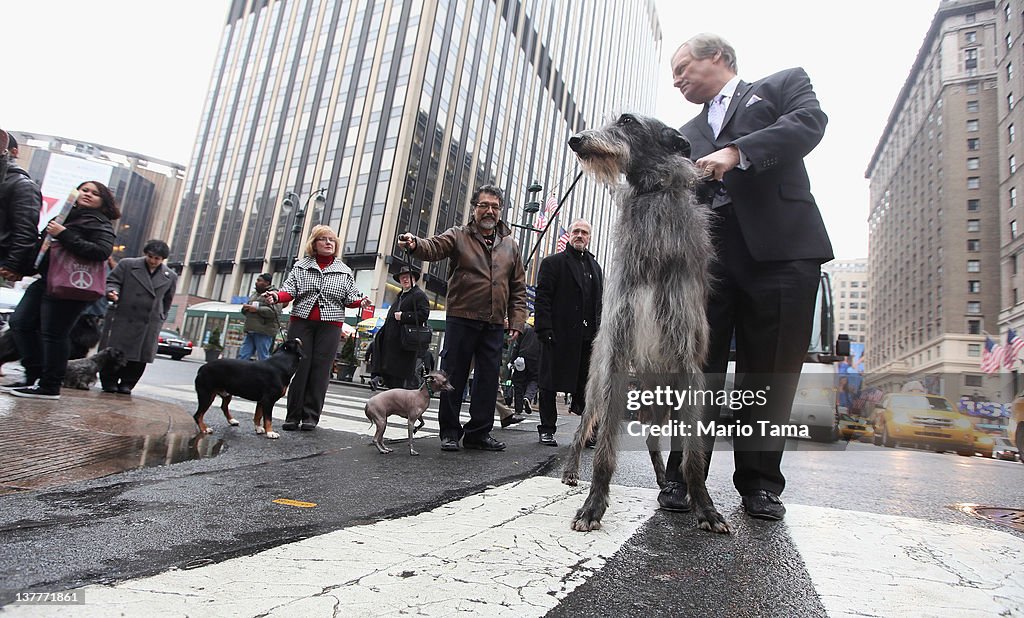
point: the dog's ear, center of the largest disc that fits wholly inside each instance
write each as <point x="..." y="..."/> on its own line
<point x="675" y="142"/>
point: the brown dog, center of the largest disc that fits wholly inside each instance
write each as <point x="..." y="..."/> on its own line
<point x="408" y="403"/>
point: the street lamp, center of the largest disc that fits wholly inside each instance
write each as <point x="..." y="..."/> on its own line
<point x="290" y="199"/>
<point x="532" y="206"/>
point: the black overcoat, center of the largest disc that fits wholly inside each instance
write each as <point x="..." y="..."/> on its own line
<point x="559" y="308"/>
<point x="390" y="358"/>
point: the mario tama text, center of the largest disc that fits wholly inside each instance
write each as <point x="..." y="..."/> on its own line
<point x="668" y="398"/>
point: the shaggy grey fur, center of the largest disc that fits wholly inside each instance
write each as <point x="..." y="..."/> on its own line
<point x="82" y="373"/>
<point x="655" y="300"/>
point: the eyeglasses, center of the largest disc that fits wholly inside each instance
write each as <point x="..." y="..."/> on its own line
<point x="488" y="206"/>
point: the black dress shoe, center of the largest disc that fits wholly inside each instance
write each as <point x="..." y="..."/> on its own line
<point x="307" y="426"/>
<point x="764" y="504"/>
<point x="124" y="389"/>
<point x="290" y="426"/>
<point x="448" y="444"/>
<point x="109" y="389"/>
<point x="486" y="444"/>
<point x="548" y="439"/>
<point x="511" y="419"/>
<point x="673" y="497"/>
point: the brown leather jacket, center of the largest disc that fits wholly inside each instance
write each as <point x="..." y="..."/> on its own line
<point x="485" y="284"/>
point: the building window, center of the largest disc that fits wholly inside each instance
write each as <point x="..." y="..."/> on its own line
<point x="972" y="106"/>
<point x="1009" y="71"/>
<point x="1009" y="41"/>
<point x="974" y="349"/>
<point x="973" y="182"/>
<point x="972" y="88"/>
<point x="1010" y="133"/>
<point x="973" y="163"/>
<point x="971" y="36"/>
<point x="973" y="327"/>
<point x="1013" y="163"/>
<point x="1013" y="264"/>
<point x="974" y="307"/>
<point x="973" y="245"/>
<point x="973" y="205"/>
<point x="1009" y="100"/>
<point x="971" y="59"/>
<point x="1013" y="196"/>
<point x="972" y="126"/>
<point x="974" y="287"/>
<point x="974" y="225"/>
<point x="974" y="143"/>
<point x="1013" y="229"/>
<point x="974" y="266"/>
<point x="970" y="380"/>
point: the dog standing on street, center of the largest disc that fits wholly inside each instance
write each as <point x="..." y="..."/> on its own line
<point x="408" y="403"/>
<point x="82" y="373"/>
<point x="657" y="289"/>
<point x="262" y="381"/>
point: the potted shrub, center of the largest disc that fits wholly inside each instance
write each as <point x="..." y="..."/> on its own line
<point x="212" y="346"/>
<point x="347" y="361"/>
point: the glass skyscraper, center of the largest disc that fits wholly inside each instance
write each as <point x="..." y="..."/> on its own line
<point x="398" y="109"/>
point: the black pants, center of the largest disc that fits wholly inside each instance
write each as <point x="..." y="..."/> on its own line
<point x="320" y="342"/>
<point x="40" y="326"/>
<point x="548" y="413"/>
<point x="478" y="343"/>
<point x="769" y="306"/>
<point x="129" y="375"/>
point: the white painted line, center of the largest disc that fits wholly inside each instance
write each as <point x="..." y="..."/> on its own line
<point x="864" y="564"/>
<point x="507" y="551"/>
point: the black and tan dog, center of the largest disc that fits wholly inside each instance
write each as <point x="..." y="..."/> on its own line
<point x="263" y="382"/>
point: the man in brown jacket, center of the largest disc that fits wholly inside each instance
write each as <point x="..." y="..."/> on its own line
<point x="487" y="283"/>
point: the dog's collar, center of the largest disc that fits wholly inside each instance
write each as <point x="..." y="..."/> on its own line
<point x="430" y="391"/>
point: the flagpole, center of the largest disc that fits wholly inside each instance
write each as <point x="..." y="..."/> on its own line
<point x="551" y="218"/>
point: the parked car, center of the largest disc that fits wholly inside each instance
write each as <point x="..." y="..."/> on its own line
<point x="924" y="420"/>
<point x="854" y="427"/>
<point x="1015" y="428"/>
<point x="1005" y="450"/>
<point x="173" y="345"/>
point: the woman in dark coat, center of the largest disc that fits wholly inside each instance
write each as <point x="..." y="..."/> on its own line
<point x="397" y="367"/>
<point x="41" y="323"/>
<point x="143" y="289"/>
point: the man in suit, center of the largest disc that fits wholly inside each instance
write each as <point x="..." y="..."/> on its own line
<point x="749" y="141"/>
<point x="567" y="316"/>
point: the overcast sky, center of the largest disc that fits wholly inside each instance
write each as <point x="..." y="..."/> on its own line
<point x="133" y="74"/>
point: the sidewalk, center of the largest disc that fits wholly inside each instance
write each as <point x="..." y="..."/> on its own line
<point x="89" y="434"/>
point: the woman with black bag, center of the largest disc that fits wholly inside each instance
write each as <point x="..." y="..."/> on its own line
<point x="42" y="321"/>
<point x="396" y="360"/>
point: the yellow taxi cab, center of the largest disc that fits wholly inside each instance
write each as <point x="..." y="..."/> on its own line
<point x="984" y="443"/>
<point x="1015" y="427"/>
<point x="854" y="427"/>
<point x="922" y="419"/>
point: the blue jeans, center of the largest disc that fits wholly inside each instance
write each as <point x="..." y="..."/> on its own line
<point x="255" y="343"/>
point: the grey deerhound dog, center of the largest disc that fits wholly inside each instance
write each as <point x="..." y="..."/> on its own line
<point x="657" y="288"/>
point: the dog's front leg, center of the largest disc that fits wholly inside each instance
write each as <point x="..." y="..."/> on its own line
<point x="263" y="413"/>
<point x="412" y="430"/>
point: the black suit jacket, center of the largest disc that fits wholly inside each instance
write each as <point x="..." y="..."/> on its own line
<point x="775" y="122"/>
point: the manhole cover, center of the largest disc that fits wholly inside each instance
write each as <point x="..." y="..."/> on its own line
<point x="1013" y="518"/>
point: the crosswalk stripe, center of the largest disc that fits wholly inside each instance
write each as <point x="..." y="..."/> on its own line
<point x="866" y="564"/>
<point x="341" y="412"/>
<point x="508" y="550"/>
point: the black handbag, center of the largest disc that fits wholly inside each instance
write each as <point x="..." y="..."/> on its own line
<point x="415" y="338"/>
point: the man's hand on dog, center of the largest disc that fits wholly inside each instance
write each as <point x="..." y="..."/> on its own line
<point x="716" y="164"/>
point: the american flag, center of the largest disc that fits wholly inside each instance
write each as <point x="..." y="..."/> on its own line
<point x="545" y="213"/>
<point x="991" y="357"/>
<point x="563" y="240"/>
<point x="1014" y="345"/>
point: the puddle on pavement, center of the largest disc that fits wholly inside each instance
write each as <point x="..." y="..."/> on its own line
<point x="170" y="449"/>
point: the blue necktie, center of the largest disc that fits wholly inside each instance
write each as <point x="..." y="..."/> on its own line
<point x="716" y="113"/>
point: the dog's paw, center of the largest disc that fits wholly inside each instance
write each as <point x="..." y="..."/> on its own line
<point x="233" y="422"/>
<point x="260" y="429"/>
<point x="585" y="521"/>
<point x="712" y="521"/>
<point x="413" y="453"/>
<point x="572" y="479"/>
<point x="273" y="435"/>
<point x="208" y="430"/>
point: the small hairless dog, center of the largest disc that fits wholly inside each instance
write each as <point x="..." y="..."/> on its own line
<point x="405" y="402"/>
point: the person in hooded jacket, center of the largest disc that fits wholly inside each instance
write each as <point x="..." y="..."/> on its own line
<point x="20" y="202"/>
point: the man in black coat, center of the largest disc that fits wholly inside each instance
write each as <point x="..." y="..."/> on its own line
<point x="750" y="140"/>
<point x="567" y="316"/>
<point x="20" y="202"/>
